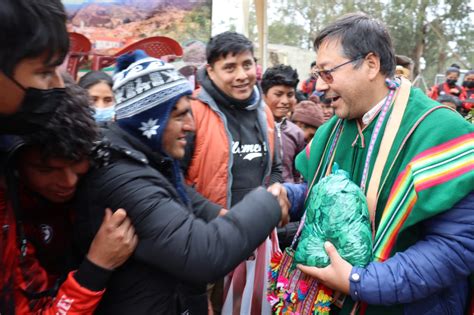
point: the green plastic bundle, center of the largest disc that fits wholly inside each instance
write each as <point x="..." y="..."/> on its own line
<point x="336" y="212"/>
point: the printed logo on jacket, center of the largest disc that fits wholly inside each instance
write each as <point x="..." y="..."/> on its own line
<point x="250" y="151"/>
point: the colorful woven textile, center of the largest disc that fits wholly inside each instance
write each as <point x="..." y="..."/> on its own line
<point x="290" y="292"/>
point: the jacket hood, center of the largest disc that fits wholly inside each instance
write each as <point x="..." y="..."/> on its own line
<point x="121" y="141"/>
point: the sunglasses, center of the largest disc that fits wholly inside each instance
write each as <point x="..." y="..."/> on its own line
<point x="326" y="74"/>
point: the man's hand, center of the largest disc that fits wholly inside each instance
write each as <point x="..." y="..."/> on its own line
<point x="334" y="276"/>
<point x="114" y="242"/>
<point x="454" y="91"/>
<point x="279" y="191"/>
<point x="222" y="212"/>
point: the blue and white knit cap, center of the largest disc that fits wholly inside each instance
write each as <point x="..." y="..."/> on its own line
<point x="146" y="90"/>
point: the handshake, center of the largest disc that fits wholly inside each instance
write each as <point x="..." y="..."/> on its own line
<point x="279" y="191"/>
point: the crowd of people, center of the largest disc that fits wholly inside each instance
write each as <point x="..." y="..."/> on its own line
<point x="138" y="193"/>
<point x="449" y="93"/>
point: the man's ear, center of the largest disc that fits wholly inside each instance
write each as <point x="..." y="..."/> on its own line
<point x="372" y="62"/>
<point x="210" y="71"/>
<point x="11" y="95"/>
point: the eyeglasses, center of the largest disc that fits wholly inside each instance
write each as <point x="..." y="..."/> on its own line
<point x="326" y="74"/>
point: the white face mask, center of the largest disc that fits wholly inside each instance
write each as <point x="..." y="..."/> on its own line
<point x="104" y="114"/>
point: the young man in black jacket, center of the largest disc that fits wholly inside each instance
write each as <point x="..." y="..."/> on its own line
<point x="34" y="43"/>
<point x="183" y="242"/>
<point x="37" y="218"/>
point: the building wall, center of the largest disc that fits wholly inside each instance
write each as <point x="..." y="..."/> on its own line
<point x="298" y="58"/>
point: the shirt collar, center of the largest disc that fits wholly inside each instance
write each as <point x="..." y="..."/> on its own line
<point x="370" y="115"/>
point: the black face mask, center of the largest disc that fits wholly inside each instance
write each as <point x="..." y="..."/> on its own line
<point x="451" y="83"/>
<point x="35" y="110"/>
<point x="468" y="84"/>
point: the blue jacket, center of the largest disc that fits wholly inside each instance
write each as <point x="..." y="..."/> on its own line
<point x="430" y="277"/>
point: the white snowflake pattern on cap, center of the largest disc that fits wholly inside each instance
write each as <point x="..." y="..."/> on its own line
<point x="149" y="128"/>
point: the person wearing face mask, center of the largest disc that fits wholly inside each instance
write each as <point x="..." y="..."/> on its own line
<point x="35" y="42"/>
<point x="468" y="87"/>
<point x="99" y="85"/>
<point x="449" y="86"/>
<point x="41" y="272"/>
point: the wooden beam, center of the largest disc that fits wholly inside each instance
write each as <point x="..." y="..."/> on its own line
<point x="262" y="30"/>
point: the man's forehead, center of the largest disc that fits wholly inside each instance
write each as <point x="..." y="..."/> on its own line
<point x="43" y="60"/>
<point x="183" y="104"/>
<point x="232" y="57"/>
<point x="328" y="51"/>
<point x="34" y="157"/>
<point x="283" y="88"/>
<point x="55" y="162"/>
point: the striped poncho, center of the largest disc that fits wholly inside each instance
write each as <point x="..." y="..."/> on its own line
<point x="429" y="169"/>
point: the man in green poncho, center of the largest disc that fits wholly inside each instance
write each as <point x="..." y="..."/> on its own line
<point x="423" y="231"/>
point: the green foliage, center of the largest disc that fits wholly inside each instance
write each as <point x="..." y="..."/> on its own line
<point x="198" y="23"/>
<point x="195" y="25"/>
<point x="289" y="34"/>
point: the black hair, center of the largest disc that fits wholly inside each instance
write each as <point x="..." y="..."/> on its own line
<point x="30" y="28"/>
<point x="359" y="35"/>
<point x="91" y="78"/>
<point x="227" y="43"/>
<point x="449" y="99"/>
<point x="455" y="65"/>
<point x="279" y="75"/>
<point x="313" y="64"/>
<point x="453" y="70"/>
<point x="72" y="132"/>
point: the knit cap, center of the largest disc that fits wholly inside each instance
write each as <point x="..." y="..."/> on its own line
<point x="308" y="113"/>
<point x="146" y="90"/>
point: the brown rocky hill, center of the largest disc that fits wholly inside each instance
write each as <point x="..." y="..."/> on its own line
<point x="109" y="16"/>
<point x="109" y="23"/>
<point x="158" y="24"/>
<point x="158" y="4"/>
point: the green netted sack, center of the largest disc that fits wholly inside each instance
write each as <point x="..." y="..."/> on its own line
<point x="336" y="212"/>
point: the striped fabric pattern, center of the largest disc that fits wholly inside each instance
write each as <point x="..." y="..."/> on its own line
<point x="435" y="166"/>
<point x="245" y="289"/>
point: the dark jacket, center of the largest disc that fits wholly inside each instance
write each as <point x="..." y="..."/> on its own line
<point x="308" y="86"/>
<point x="39" y="270"/>
<point x="444" y="88"/>
<point x="181" y="247"/>
<point x="290" y="143"/>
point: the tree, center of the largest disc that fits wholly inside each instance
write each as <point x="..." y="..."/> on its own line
<point x="290" y="34"/>
<point x="440" y="32"/>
